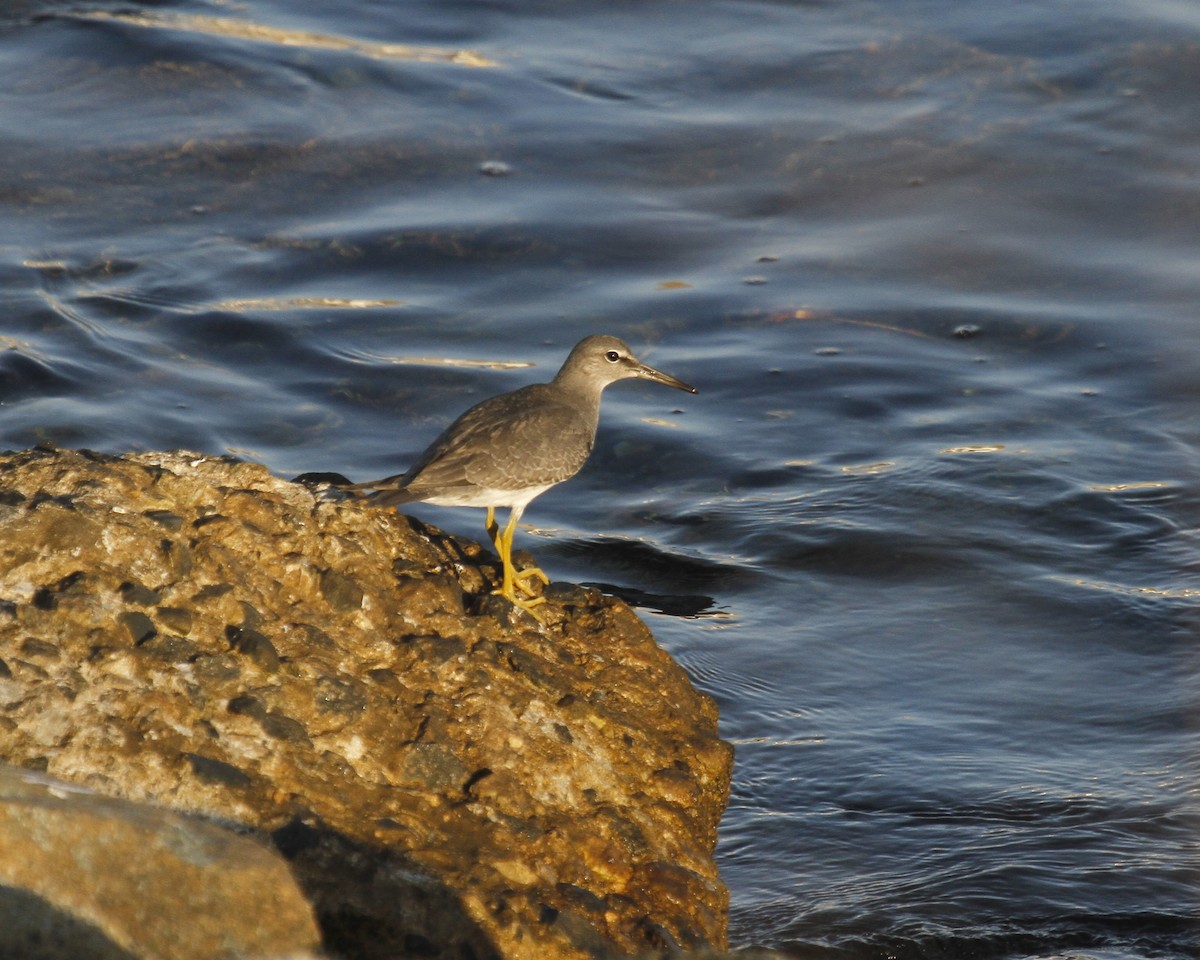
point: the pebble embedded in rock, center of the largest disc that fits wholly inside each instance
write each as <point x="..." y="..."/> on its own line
<point x="133" y="592"/>
<point x="217" y="772"/>
<point x="32" y="647"/>
<point x="139" y="626"/>
<point x="341" y="591"/>
<point x="255" y="645"/>
<point x="175" y="619"/>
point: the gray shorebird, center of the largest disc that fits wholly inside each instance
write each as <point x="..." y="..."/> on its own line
<point x="508" y="449"/>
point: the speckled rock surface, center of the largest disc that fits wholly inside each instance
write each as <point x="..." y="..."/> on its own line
<point x="446" y="776"/>
<point x="136" y="881"/>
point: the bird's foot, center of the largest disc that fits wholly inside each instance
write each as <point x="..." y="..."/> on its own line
<point x="530" y="573"/>
<point x="513" y="579"/>
<point x="529" y="605"/>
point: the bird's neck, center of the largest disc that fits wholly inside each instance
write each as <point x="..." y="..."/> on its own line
<point x="581" y="391"/>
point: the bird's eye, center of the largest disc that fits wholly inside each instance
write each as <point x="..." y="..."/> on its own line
<point x="612" y="356"/>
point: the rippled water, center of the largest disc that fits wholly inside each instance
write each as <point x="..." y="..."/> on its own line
<point x="930" y="530"/>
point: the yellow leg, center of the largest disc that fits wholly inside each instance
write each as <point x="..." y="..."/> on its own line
<point x="529" y="573"/>
<point x="512" y="578"/>
<point x="493" y="528"/>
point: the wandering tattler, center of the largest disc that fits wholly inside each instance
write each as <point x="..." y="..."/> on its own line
<point x="506" y="450"/>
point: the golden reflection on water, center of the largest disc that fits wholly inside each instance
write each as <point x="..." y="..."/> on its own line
<point x="304" y="303"/>
<point x="868" y="469"/>
<point x="1126" y="487"/>
<point x="364" y="356"/>
<point x="1127" y="590"/>
<point x="973" y="448"/>
<point x="262" y="33"/>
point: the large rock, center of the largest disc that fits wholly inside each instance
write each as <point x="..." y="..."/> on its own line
<point x="445" y="775"/>
<point x="82" y="875"/>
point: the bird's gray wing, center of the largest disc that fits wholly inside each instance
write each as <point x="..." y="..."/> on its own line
<point x="529" y="437"/>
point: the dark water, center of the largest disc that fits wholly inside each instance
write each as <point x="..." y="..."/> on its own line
<point x="931" y="530"/>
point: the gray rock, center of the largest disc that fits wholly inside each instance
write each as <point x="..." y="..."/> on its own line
<point x="82" y="875"/>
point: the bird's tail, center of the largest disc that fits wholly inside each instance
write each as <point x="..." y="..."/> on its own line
<point x="387" y="492"/>
<point x="384" y="493"/>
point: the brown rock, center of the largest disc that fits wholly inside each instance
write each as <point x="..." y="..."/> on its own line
<point x="83" y="875"/>
<point x="214" y="639"/>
